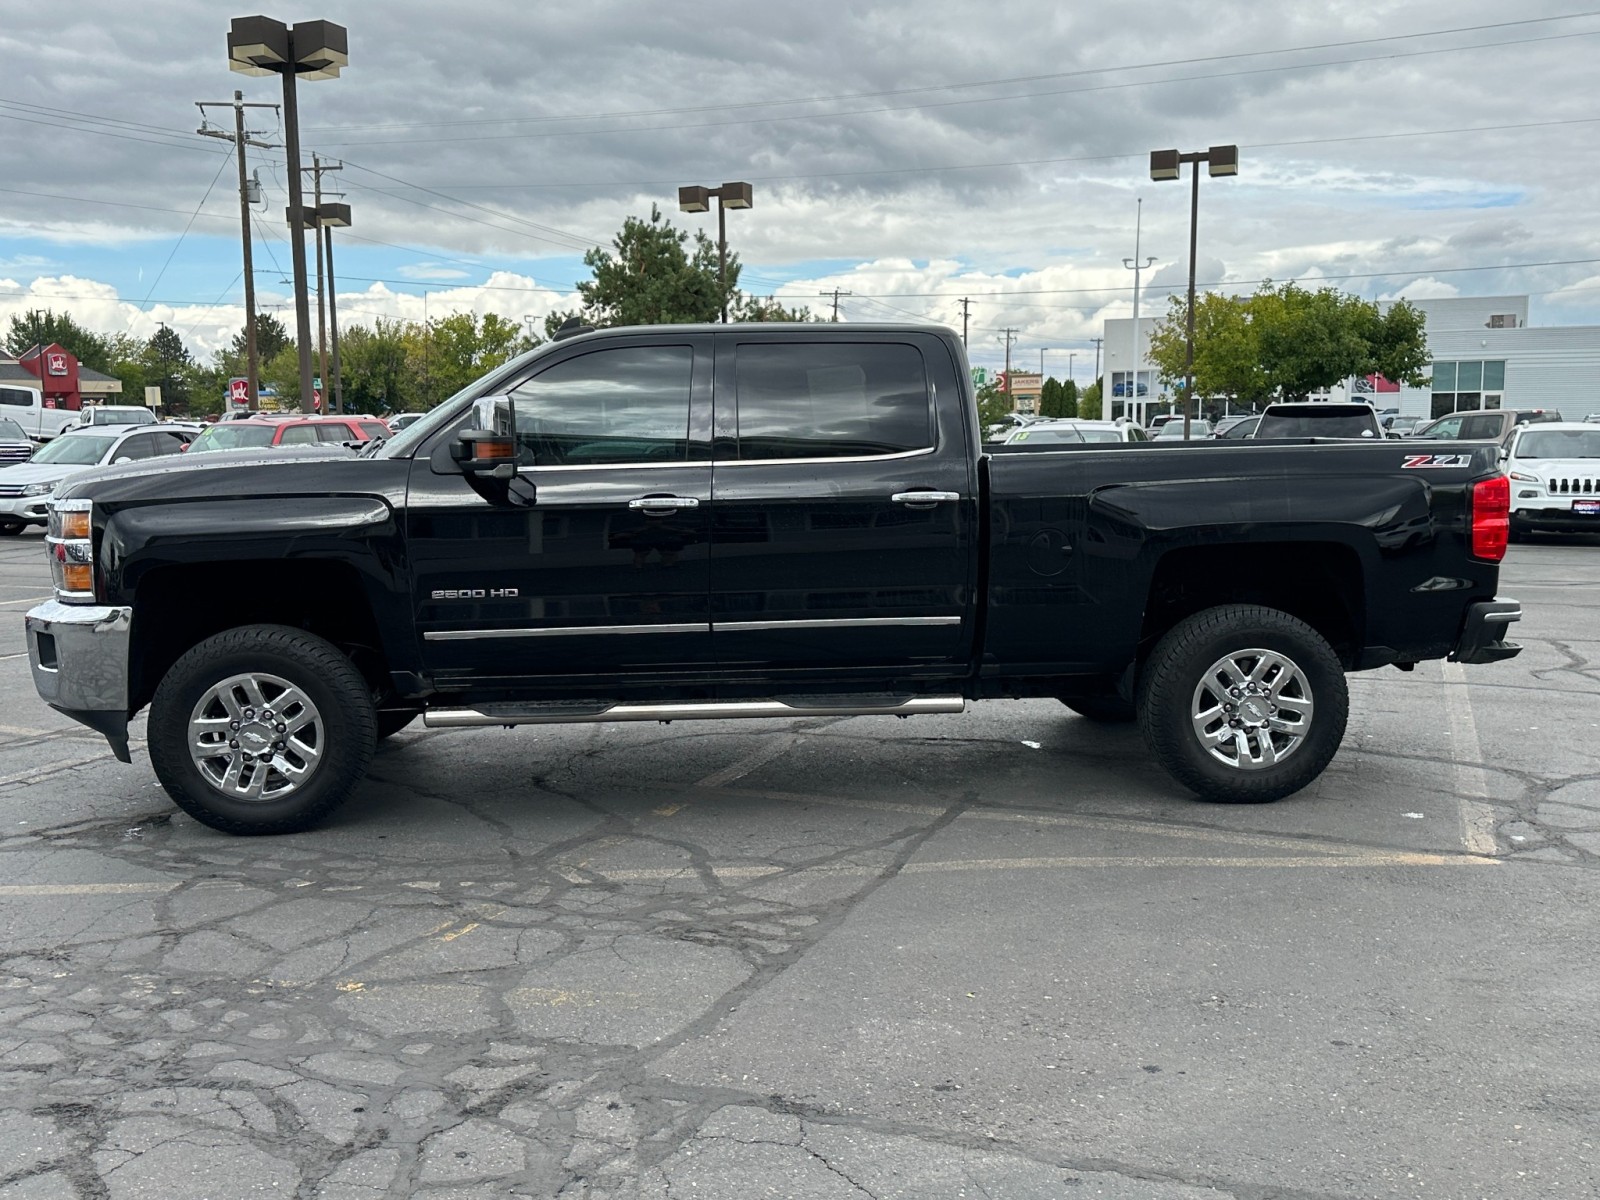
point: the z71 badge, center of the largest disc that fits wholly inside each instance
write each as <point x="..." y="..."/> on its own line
<point x="1414" y="461"/>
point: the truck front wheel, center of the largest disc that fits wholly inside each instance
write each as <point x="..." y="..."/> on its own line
<point x="261" y="729"/>
<point x="1243" y="704"/>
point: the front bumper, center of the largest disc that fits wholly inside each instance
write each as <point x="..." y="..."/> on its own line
<point x="31" y="509"/>
<point x="1555" y="517"/>
<point x="1483" y="635"/>
<point x="79" y="656"/>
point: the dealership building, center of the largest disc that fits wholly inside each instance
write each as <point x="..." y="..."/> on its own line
<point x="1485" y="354"/>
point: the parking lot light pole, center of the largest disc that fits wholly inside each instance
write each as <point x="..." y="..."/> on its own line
<point x="730" y="195"/>
<point x="312" y="50"/>
<point x="1166" y="164"/>
<point x="324" y="219"/>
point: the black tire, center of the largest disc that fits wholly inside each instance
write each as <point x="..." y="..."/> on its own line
<point x="1177" y="684"/>
<point x="391" y="721"/>
<point x="11" y="528"/>
<point x="343" y="737"/>
<point x="1110" y="710"/>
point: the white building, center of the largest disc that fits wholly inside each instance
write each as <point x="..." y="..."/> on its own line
<point x="1485" y="355"/>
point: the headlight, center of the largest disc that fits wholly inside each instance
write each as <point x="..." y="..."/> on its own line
<point x="39" y="489"/>
<point x="70" y="544"/>
<point x="1521" y="478"/>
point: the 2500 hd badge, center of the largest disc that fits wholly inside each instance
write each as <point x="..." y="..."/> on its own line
<point x="474" y="593"/>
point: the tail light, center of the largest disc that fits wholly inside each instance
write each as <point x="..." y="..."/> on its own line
<point x="1490" y="518"/>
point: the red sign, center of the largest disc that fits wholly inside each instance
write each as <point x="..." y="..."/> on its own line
<point x="56" y="364"/>
<point x="239" y="391"/>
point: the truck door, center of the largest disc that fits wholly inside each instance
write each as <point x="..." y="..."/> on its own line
<point x="605" y="575"/>
<point x="843" y="513"/>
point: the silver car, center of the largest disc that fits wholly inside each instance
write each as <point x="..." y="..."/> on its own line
<point x="25" y="488"/>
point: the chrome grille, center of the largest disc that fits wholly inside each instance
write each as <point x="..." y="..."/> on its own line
<point x="15" y="452"/>
<point x="1573" y="486"/>
<point x="10" y="491"/>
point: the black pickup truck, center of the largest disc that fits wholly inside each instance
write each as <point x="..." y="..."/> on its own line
<point x="686" y="522"/>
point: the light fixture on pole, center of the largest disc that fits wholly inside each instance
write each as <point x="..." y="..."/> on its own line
<point x="1131" y="395"/>
<point x="729" y="195"/>
<point x="323" y="220"/>
<point x="310" y="50"/>
<point x="1167" y="164"/>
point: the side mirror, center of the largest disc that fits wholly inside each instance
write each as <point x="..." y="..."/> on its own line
<point x="486" y="454"/>
<point x="123" y="459"/>
<point x="486" y="451"/>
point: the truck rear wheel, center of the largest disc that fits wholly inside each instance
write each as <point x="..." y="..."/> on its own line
<point x="261" y="729"/>
<point x="1243" y="704"/>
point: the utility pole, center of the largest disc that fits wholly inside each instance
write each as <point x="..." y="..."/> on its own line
<point x="966" y="305"/>
<point x="836" y="293"/>
<point x="1096" y="342"/>
<point x="1010" y="336"/>
<point x="240" y="139"/>
<point x="317" y="168"/>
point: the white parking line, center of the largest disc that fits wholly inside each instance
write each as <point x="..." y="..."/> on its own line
<point x="1472" y="784"/>
<point x="758" y="757"/>
<point x="85" y="889"/>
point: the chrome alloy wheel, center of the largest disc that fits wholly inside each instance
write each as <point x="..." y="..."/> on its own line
<point x="256" y="737"/>
<point x="1252" y="709"/>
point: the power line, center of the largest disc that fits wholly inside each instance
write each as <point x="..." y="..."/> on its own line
<point x="153" y="283"/>
<point x="836" y="293"/>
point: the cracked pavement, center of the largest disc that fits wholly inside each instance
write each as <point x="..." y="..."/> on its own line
<point x="825" y="958"/>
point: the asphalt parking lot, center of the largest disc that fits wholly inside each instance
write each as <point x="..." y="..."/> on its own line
<point x="994" y="955"/>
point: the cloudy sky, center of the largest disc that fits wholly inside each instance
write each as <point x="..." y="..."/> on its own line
<point x="908" y="153"/>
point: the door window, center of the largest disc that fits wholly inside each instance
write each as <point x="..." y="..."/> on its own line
<point x="1448" y="428"/>
<point x="629" y="404"/>
<point x="16" y="397"/>
<point x="142" y="446"/>
<point x="335" y="431"/>
<point x="831" y="400"/>
<point x="168" y="442"/>
<point x="1484" y="427"/>
<point x="298" y="435"/>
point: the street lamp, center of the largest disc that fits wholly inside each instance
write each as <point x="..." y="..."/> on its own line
<point x="729" y="195"/>
<point x="313" y="50"/>
<point x="1133" y="264"/>
<point x="1166" y="164"/>
<point x="324" y="219"/>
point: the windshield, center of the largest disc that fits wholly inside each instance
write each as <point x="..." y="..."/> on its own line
<point x="232" y="436"/>
<point x="76" y="450"/>
<point x="10" y="431"/>
<point x="1327" y="422"/>
<point x="1559" y="443"/>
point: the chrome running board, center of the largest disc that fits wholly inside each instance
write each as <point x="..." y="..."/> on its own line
<point x="713" y="710"/>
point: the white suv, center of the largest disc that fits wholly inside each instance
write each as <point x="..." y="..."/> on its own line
<point x="1555" y="478"/>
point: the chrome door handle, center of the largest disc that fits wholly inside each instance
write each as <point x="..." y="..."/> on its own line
<point x="925" y="497"/>
<point x="664" y="504"/>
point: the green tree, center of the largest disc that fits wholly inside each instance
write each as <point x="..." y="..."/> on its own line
<point x="271" y="337"/>
<point x="1287" y="340"/>
<point x="994" y="405"/>
<point x="654" y="274"/>
<point x="42" y="327"/>
<point x="372" y="368"/>
<point x="449" y="353"/>
<point x="169" y="361"/>
<point x="767" y="308"/>
<point x="1089" y="401"/>
<point x="1069" y="402"/>
<point x="1053" y="400"/>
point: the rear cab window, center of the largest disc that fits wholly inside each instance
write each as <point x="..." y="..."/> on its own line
<point x="1315" y="420"/>
<point x="806" y="400"/>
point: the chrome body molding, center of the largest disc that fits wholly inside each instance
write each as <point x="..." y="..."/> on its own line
<point x="472" y="635"/>
<point x="512" y="714"/>
<point x="834" y="623"/>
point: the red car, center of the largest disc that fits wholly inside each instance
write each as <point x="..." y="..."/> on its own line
<point x="293" y="431"/>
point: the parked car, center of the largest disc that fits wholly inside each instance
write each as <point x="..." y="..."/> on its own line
<point x="1492" y="425"/>
<point x="821" y="537"/>
<point x="1044" y="433"/>
<point x="1400" y="426"/>
<point x="290" y="431"/>
<point x="15" y="445"/>
<point x="1318" y="419"/>
<point x="1110" y="431"/>
<point x="1236" y="428"/>
<point x="1555" y="477"/>
<point x="26" y="406"/>
<point x="1121" y="389"/>
<point x="25" y="488"/>
<point x="1172" y="431"/>
<point x="400" y="420"/>
<point x="99" y="415"/>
